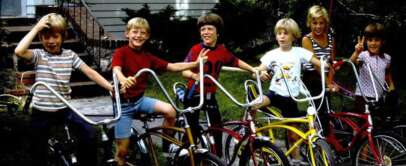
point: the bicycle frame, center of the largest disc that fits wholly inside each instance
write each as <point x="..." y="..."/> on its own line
<point x="366" y="127"/>
<point x="191" y="147"/>
<point x="249" y="123"/>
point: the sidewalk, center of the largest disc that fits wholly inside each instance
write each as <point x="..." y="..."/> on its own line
<point x="102" y="105"/>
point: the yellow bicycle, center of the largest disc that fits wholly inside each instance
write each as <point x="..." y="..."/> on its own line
<point x="312" y="145"/>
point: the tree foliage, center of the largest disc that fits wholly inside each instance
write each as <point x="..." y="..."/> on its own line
<point x="171" y="37"/>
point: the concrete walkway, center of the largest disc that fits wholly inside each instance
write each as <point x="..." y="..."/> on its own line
<point x="100" y="107"/>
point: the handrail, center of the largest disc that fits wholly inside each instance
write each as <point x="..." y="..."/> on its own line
<point x="81" y="115"/>
<point x="94" y="38"/>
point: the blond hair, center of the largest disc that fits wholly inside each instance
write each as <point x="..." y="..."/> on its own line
<point x="290" y="26"/>
<point x="317" y="11"/>
<point x="138" y="22"/>
<point x="57" y="24"/>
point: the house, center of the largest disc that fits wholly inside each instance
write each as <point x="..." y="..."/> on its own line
<point x="96" y="26"/>
<point x="108" y="13"/>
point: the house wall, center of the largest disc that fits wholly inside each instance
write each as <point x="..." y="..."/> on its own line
<point x="21" y="8"/>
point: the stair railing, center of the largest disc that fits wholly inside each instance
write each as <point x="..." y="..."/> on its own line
<point x="91" y="32"/>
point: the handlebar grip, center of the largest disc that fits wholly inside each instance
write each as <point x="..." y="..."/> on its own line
<point x="338" y="64"/>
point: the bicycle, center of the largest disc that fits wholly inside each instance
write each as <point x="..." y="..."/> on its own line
<point x="354" y="134"/>
<point x="62" y="148"/>
<point x="251" y="150"/>
<point x="311" y="143"/>
<point x="188" y="153"/>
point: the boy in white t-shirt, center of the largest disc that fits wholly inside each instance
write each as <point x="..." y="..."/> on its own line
<point x="290" y="59"/>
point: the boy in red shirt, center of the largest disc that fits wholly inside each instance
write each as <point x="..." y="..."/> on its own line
<point x="127" y="61"/>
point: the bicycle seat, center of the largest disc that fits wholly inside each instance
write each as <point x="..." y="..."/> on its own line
<point x="147" y="117"/>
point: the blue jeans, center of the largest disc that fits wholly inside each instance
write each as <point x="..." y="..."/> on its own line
<point x="41" y="124"/>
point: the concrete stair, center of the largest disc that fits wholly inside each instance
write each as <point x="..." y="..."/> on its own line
<point x="17" y="28"/>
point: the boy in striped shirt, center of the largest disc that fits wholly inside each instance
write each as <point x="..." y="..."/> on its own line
<point x="54" y="66"/>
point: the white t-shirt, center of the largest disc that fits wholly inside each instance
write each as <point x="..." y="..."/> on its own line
<point x="290" y="62"/>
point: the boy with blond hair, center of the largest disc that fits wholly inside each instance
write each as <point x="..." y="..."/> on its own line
<point x="127" y="61"/>
<point x="54" y="65"/>
<point x="290" y="59"/>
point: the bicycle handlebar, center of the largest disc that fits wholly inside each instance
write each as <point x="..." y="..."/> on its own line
<point x="257" y="100"/>
<point x="81" y="115"/>
<point x="189" y="109"/>
<point x="322" y="68"/>
<point x="354" y="68"/>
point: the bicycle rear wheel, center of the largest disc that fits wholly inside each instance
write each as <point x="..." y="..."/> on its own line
<point x="391" y="148"/>
<point x="262" y="153"/>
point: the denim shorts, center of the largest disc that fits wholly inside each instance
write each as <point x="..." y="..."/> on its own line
<point x="123" y="125"/>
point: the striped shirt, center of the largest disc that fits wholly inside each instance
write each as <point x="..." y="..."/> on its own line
<point x="320" y="51"/>
<point x="55" y="70"/>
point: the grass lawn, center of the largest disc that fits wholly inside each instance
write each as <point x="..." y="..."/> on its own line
<point x="232" y="81"/>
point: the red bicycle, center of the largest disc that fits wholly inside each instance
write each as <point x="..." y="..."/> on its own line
<point x="352" y="134"/>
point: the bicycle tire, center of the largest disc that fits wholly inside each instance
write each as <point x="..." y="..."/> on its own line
<point x="323" y="153"/>
<point x="400" y="129"/>
<point x="136" y="155"/>
<point x="274" y="156"/>
<point x="390" y="146"/>
<point x="206" y="159"/>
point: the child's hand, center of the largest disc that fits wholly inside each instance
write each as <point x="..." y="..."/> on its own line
<point x="360" y="45"/>
<point x="128" y="82"/>
<point x="332" y="87"/>
<point x="43" y="23"/>
<point x="202" y="55"/>
<point x="265" y="76"/>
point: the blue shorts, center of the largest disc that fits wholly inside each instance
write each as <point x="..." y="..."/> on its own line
<point x="123" y="125"/>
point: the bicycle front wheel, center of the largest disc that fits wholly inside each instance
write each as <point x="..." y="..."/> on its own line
<point x="201" y="159"/>
<point x="262" y="153"/>
<point x="400" y="129"/>
<point x="390" y="147"/>
<point x="323" y="155"/>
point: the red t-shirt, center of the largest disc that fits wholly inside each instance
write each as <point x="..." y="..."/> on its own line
<point x="131" y="61"/>
<point x="217" y="57"/>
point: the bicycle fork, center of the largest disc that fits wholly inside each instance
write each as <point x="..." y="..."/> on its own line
<point x="371" y="142"/>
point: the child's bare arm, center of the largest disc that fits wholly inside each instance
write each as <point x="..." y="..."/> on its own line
<point x="307" y="44"/>
<point x="190" y="75"/>
<point x="180" y="66"/>
<point x="22" y="48"/>
<point x="245" y="66"/>
<point x="388" y="79"/>
<point x="96" y="77"/>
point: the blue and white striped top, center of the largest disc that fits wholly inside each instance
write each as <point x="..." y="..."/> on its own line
<point x="320" y="51"/>
<point x="56" y="71"/>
